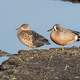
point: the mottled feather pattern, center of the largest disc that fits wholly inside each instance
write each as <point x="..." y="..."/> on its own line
<point x="39" y="40"/>
<point x="33" y="38"/>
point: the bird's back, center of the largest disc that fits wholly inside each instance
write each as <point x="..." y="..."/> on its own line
<point x="39" y="40"/>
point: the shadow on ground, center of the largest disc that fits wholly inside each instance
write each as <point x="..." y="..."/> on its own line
<point x="52" y="64"/>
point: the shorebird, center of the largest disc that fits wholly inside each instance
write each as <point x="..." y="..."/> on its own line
<point x="63" y="36"/>
<point x="30" y="38"/>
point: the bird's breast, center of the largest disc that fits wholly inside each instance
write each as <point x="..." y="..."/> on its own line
<point x="26" y="39"/>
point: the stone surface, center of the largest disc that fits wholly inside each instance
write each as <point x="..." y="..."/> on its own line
<point x="42" y="64"/>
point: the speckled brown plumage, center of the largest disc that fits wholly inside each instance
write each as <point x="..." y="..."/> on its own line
<point x="31" y="38"/>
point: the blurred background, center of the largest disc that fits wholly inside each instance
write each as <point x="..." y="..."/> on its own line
<point x="40" y="14"/>
<point x="73" y="1"/>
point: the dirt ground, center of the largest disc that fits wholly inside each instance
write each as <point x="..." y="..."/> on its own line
<point x="42" y="64"/>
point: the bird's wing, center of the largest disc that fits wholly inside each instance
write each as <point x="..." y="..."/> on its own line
<point x="39" y="37"/>
<point x="71" y="31"/>
<point x="36" y="39"/>
<point x="75" y="32"/>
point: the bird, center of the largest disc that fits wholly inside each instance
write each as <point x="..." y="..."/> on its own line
<point x="30" y="38"/>
<point x="63" y="36"/>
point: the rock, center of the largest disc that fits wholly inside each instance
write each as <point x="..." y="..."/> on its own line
<point x="3" y="53"/>
<point x="42" y="64"/>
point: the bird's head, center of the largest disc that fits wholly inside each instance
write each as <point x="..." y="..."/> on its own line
<point x="56" y="27"/>
<point x="24" y="27"/>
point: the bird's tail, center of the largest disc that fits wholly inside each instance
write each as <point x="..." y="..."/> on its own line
<point x="48" y="43"/>
<point x="45" y="41"/>
<point x="78" y="38"/>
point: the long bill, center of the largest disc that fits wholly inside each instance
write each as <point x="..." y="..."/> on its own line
<point x="17" y="28"/>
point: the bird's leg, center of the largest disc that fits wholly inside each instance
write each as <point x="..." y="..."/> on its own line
<point x="62" y="48"/>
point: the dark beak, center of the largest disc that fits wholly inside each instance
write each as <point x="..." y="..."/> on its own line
<point x="50" y="29"/>
<point x="17" y="28"/>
